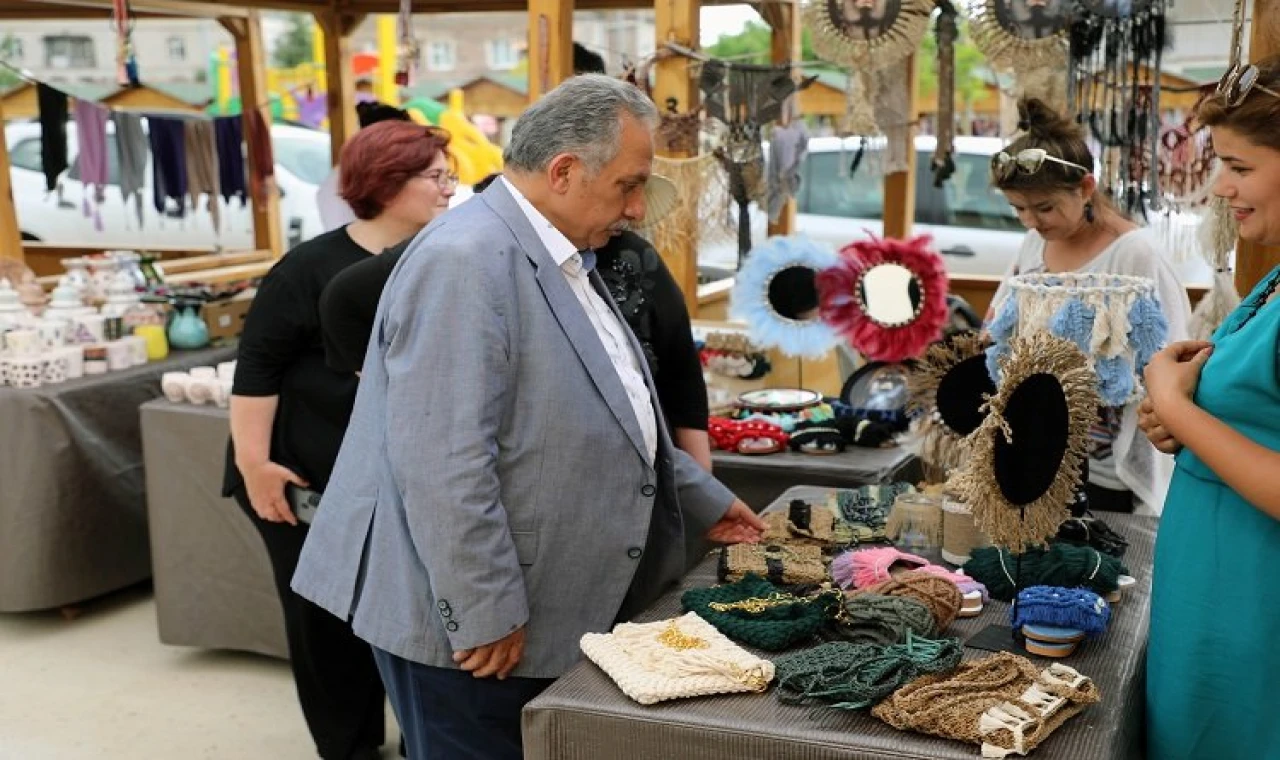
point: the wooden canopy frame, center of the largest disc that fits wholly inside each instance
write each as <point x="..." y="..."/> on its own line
<point x="550" y="46"/>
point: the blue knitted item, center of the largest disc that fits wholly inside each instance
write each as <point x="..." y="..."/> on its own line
<point x="1115" y="380"/>
<point x="1148" y="330"/>
<point x="1074" y="321"/>
<point x="1076" y="608"/>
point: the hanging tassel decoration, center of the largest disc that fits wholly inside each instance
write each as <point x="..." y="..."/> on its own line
<point x="407" y="52"/>
<point x="126" y="62"/>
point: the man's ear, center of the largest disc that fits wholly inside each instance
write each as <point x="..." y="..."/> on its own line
<point x="560" y="172"/>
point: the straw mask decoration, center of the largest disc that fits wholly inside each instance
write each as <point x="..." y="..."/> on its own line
<point x="1025" y="39"/>
<point x="1024" y="461"/>
<point x="947" y="388"/>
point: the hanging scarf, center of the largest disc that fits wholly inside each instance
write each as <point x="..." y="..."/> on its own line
<point x="229" y="139"/>
<point x="787" y="150"/>
<point x="91" y="134"/>
<point x="53" y="133"/>
<point x="131" y="150"/>
<point x="168" y="162"/>
<point x="202" y="165"/>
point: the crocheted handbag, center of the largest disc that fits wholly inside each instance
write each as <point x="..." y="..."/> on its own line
<point x="1003" y="702"/>
<point x="755" y="612"/>
<point x="670" y="659"/>
<point x="783" y="564"/>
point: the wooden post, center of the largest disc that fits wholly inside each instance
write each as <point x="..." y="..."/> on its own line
<point x="10" y="234"/>
<point x="251" y="60"/>
<point x="1254" y="261"/>
<point x="785" y="46"/>
<point x="677" y="21"/>
<point x="550" y="54"/>
<point x="900" y="187"/>
<point x="336" y="29"/>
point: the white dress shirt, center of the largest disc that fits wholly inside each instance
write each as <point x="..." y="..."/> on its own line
<point x="612" y="333"/>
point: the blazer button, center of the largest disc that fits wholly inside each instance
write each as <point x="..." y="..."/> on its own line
<point x="451" y="627"/>
<point x="442" y="604"/>
<point x="648" y="490"/>
<point x="446" y="613"/>
<point x="635" y="552"/>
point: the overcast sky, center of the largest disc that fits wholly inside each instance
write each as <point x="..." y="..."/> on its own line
<point x="725" y="19"/>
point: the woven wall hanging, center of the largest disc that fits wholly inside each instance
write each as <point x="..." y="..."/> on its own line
<point x="1024" y="460"/>
<point x="776" y="295"/>
<point x="1025" y="40"/>
<point x="948" y="387"/>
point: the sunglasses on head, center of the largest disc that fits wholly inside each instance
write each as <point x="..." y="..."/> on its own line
<point x="1238" y="82"/>
<point x="1028" y="161"/>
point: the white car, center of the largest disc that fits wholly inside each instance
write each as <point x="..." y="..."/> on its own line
<point x="972" y="224"/>
<point x="302" y="161"/>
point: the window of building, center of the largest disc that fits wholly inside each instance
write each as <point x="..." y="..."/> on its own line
<point x="502" y="55"/>
<point x="11" y="49"/>
<point x="69" y="52"/>
<point x="442" y="55"/>
<point x="177" y="49"/>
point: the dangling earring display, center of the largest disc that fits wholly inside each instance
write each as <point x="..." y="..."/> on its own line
<point x="1089" y="216"/>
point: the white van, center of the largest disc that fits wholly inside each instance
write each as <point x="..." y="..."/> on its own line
<point x="302" y="161"/>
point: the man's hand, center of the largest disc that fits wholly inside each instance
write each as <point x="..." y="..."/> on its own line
<point x="496" y="659"/>
<point x="738" y="526"/>
<point x="1150" y="423"/>
<point x="265" y="484"/>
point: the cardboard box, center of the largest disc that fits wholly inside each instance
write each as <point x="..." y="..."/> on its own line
<point x="225" y="319"/>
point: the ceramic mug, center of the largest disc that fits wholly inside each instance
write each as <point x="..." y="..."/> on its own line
<point x="224" y="391"/>
<point x="137" y="349"/>
<point x="22" y="342"/>
<point x="6" y="369"/>
<point x="119" y="355"/>
<point x="203" y="390"/>
<point x="53" y="333"/>
<point x="227" y="371"/>
<point x="89" y="328"/>
<point x="26" y="371"/>
<point x="203" y="373"/>
<point x="74" y="357"/>
<point x="174" y="385"/>
<point x="55" y="368"/>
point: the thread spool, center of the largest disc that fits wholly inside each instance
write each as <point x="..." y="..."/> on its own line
<point x="960" y="534"/>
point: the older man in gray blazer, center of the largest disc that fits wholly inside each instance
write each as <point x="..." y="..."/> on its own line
<point x="507" y="482"/>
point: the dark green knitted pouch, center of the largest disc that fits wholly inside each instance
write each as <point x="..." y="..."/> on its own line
<point x="783" y="622"/>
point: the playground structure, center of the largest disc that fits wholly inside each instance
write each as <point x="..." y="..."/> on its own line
<point x="298" y="95"/>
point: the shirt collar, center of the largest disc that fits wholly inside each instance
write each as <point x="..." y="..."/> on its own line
<point x="559" y="246"/>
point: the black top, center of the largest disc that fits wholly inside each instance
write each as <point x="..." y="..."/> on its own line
<point x="643" y="288"/>
<point x="281" y="354"/>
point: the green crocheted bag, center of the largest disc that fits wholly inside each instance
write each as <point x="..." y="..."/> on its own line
<point x="780" y="621"/>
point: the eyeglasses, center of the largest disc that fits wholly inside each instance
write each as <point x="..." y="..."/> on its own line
<point x="1238" y="82"/>
<point x="1027" y="161"/>
<point x="444" y="180"/>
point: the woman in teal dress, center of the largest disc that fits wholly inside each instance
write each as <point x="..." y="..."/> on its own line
<point x="1213" y="660"/>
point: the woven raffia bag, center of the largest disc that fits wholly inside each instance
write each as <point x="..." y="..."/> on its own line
<point x="780" y="564"/>
<point x="671" y="659"/>
<point x="1002" y="702"/>
<point x="800" y="523"/>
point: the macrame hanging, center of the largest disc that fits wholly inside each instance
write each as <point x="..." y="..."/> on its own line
<point x="126" y="62"/>
<point x="944" y="164"/>
<point x="407" y="51"/>
<point x="698" y="218"/>
<point x="1218" y="232"/>
<point x="1185" y="171"/>
<point x="1025" y="40"/>
<point x="1114" y="92"/>
<point x="873" y="40"/>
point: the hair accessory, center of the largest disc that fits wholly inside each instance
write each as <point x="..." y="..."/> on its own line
<point x="857" y="676"/>
<point x="757" y="613"/>
<point x="671" y="659"/>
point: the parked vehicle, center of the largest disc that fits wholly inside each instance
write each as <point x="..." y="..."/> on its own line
<point x="302" y="161"/>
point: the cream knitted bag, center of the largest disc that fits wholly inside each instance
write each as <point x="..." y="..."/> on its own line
<point x="670" y="659"/>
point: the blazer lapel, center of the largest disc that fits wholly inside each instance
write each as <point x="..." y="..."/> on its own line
<point x="569" y="313"/>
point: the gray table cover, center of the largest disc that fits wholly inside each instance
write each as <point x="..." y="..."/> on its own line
<point x="72" y="510"/>
<point x="585" y="716"/>
<point x="213" y="582"/>
<point x="758" y="480"/>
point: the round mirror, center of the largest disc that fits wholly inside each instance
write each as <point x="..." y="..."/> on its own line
<point x="1032" y="19"/>
<point x="890" y="294"/>
<point x="793" y="293"/>
<point x="864" y="20"/>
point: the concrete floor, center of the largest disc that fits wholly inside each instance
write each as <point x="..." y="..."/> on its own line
<point x="102" y="686"/>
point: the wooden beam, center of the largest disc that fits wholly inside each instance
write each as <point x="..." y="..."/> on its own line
<point x="900" y="187"/>
<point x="678" y="21"/>
<point x="550" y="54"/>
<point x="785" y="47"/>
<point x="10" y="233"/>
<point x="1254" y="261"/>
<point x="251" y="62"/>
<point x="171" y="8"/>
<point x="336" y="29"/>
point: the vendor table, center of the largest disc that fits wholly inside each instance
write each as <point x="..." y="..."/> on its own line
<point x="72" y="512"/>
<point x="213" y="581"/>
<point x="584" y="715"/>
<point x="758" y="480"/>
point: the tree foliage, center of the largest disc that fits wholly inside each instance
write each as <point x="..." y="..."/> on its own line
<point x="295" y="46"/>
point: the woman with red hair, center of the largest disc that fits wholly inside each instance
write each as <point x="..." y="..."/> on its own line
<point x="289" y="412"/>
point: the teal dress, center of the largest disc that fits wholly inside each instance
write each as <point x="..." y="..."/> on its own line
<point x="1213" y="660"/>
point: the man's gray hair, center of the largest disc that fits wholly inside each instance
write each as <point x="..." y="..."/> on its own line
<point x="583" y="116"/>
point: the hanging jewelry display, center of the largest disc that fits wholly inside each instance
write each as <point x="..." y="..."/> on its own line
<point x="1114" y="319"/>
<point x="1114" y="91"/>
<point x="872" y="39"/>
<point x="1025" y="40"/>
<point x="888" y="298"/>
<point x="1024" y="462"/>
<point x="776" y="295"/>
<point x="944" y="164"/>
<point x="947" y="389"/>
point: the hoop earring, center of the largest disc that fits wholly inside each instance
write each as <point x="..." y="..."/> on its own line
<point x="1089" y="216"/>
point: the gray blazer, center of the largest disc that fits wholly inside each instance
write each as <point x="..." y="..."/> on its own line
<point x="494" y="475"/>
